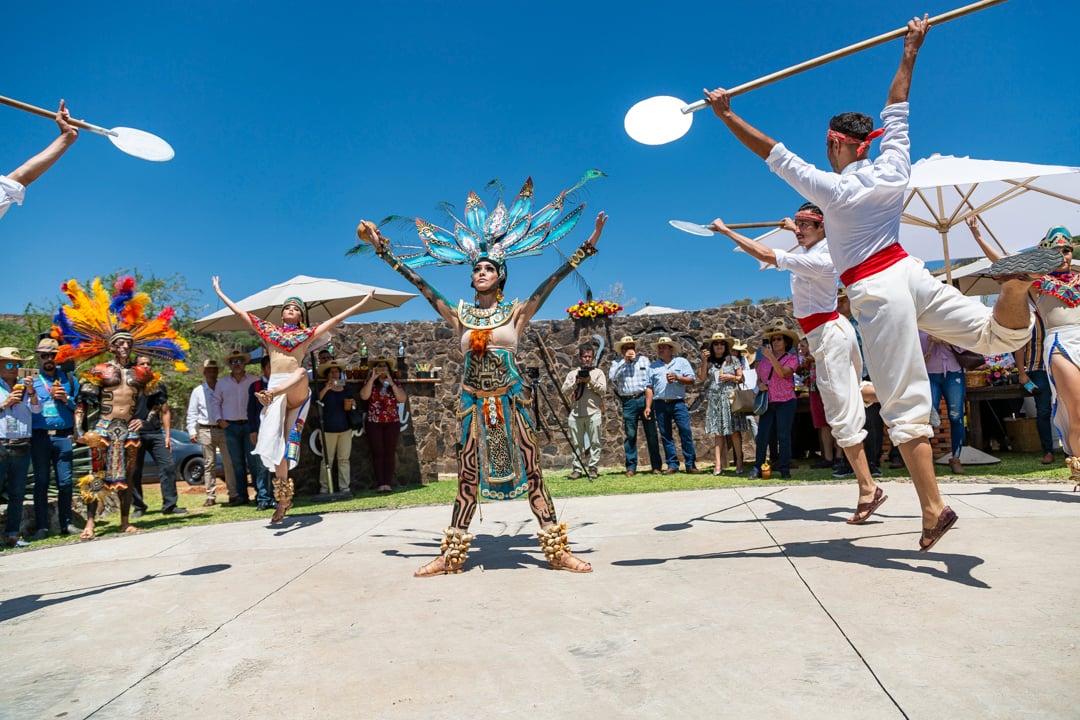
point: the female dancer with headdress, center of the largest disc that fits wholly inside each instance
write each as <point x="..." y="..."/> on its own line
<point x="285" y="400"/>
<point x="499" y="456"/>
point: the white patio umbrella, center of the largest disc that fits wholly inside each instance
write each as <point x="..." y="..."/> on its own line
<point x="324" y="297"/>
<point x="1016" y="201"/>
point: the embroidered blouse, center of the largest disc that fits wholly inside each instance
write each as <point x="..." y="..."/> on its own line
<point x="286" y="337"/>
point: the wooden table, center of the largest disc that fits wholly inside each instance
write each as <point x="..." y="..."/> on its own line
<point x="978" y="395"/>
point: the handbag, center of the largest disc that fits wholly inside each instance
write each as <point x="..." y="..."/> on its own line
<point x="356" y="417"/>
<point x="742" y="400"/>
<point x="968" y="359"/>
<point x="761" y="402"/>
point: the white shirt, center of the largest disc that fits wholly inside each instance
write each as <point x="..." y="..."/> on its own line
<point x="813" y="278"/>
<point x="862" y="204"/>
<point x="232" y="397"/>
<point x="15" y="421"/>
<point x="202" y="409"/>
<point x="591" y="401"/>
<point x="10" y="192"/>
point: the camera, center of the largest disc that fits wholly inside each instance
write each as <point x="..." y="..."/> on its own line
<point x="583" y="372"/>
<point x="533" y="372"/>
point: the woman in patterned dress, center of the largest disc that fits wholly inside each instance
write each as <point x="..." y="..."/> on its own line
<point x="723" y="373"/>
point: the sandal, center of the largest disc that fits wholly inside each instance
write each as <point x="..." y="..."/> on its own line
<point x="945" y="521"/>
<point x="863" y="511"/>
<point x="566" y="560"/>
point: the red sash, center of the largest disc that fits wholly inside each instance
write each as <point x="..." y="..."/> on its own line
<point x="874" y="264"/>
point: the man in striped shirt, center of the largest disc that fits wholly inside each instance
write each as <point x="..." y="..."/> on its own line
<point x="629" y="376"/>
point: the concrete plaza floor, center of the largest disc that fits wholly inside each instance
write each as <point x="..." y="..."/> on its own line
<point x="732" y="603"/>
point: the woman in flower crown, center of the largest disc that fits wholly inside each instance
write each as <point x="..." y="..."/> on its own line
<point x="499" y="455"/>
<point x="285" y="400"/>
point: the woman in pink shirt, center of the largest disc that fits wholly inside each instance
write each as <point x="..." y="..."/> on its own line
<point x="776" y="373"/>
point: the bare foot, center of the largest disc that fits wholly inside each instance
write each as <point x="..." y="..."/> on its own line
<point x="433" y="568"/>
<point x="566" y="560"/>
<point x="128" y="528"/>
<point x="87" y="532"/>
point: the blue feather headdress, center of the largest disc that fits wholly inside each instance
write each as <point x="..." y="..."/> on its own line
<point x="502" y="234"/>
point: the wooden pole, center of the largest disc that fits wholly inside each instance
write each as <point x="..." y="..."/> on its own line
<point x="843" y="52"/>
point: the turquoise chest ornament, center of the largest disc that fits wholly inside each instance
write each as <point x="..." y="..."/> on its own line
<point x="476" y="318"/>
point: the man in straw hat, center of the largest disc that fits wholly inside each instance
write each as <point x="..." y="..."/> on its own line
<point x="232" y="399"/>
<point x="892" y="294"/>
<point x="629" y="376"/>
<point x="832" y="339"/>
<point x="50" y="447"/>
<point x="18" y="405"/>
<point x="205" y="427"/>
<point x="666" y="396"/>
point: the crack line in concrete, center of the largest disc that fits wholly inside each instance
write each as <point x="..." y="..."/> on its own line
<point x="240" y="613"/>
<point x="825" y="610"/>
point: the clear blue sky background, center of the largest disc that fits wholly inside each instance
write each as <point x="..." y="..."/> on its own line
<point x="291" y="122"/>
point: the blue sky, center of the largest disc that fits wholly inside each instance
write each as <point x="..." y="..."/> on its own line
<point x="292" y="122"/>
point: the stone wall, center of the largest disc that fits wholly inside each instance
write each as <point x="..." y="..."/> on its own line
<point x="432" y="407"/>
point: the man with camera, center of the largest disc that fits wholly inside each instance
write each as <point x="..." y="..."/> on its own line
<point x="585" y="388"/>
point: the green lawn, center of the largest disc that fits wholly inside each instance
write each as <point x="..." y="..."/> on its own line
<point x="1014" y="467"/>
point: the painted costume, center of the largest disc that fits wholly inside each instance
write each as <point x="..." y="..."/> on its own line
<point x="499" y="457"/>
<point x="85" y="329"/>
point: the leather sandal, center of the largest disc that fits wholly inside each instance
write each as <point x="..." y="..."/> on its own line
<point x="930" y="537"/>
<point x="863" y="511"/>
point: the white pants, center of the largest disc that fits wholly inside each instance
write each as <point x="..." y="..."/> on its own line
<point x="581" y="427"/>
<point x="336" y="445"/>
<point x="891" y="307"/>
<point x="839" y="371"/>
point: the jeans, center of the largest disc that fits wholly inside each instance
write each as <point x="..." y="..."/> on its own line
<point x="666" y="413"/>
<point x="777" y="420"/>
<point x="13" y="472"/>
<point x="154" y="443"/>
<point x="238" y="441"/>
<point x="633" y="410"/>
<point x="1043" y="409"/>
<point x="260" y="475"/>
<point x="875" y="436"/>
<point x="953" y="386"/>
<point x="51" y="454"/>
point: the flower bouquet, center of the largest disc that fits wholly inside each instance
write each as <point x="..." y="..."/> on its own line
<point x="998" y="375"/>
<point x="586" y="310"/>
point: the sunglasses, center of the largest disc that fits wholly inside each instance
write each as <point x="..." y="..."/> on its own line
<point x="236" y="361"/>
<point x="13" y="365"/>
<point x="46" y="355"/>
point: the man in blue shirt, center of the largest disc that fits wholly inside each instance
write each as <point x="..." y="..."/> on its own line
<point x="666" y="395"/>
<point x="50" y="445"/>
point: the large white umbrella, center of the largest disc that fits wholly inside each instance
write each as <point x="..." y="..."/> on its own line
<point x="324" y="297"/>
<point x="1016" y="201"/>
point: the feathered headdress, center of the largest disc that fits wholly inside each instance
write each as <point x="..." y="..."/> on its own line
<point x="85" y="328"/>
<point x="499" y="235"/>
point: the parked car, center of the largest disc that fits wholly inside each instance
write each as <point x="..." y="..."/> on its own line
<point x="187" y="456"/>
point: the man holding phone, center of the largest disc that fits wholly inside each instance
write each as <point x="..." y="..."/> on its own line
<point x="584" y="387"/>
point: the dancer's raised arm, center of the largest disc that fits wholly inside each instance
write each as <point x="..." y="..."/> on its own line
<point x="242" y="314"/>
<point x="540" y="295"/>
<point x="327" y="326"/>
<point x="369" y="232"/>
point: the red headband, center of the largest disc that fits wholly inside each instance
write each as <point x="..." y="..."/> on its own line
<point x="809" y="215"/>
<point x="848" y="140"/>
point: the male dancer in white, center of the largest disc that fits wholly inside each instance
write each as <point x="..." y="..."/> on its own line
<point x="892" y="295"/>
<point x="832" y="339"/>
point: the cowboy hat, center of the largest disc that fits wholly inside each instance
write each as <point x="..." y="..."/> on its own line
<point x="10" y="353"/>
<point x="48" y="345"/>
<point x="324" y="368"/>
<point x="776" y="327"/>
<point x="624" y="340"/>
<point x="210" y="363"/>
<point x="665" y="340"/>
<point x="739" y="345"/>
<point x="234" y="354"/>
<point x="381" y="360"/>
<point x="721" y="337"/>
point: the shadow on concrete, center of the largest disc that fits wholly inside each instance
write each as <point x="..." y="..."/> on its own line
<point x="1027" y="494"/>
<point x="785" y="511"/>
<point x="514" y="548"/>
<point x="958" y="567"/>
<point x="292" y="523"/>
<point x="26" y="604"/>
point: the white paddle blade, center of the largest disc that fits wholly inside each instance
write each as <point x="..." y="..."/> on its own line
<point x="692" y="228"/>
<point x="141" y="144"/>
<point x="657" y="120"/>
